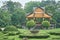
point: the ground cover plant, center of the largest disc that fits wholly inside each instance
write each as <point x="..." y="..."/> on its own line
<point x="26" y="32"/>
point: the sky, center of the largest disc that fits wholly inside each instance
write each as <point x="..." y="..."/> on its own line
<point x="21" y="1"/>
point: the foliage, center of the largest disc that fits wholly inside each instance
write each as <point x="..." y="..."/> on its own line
<point x="33" y="36"/>
<point x="11" y="33"/>
<point x="11" y="13"/>
<point x="46" y="23"/>
<point x="18" y="17"/>
<point x="56" y="15"/>
<point x="39" y="20"/>
<point x="52" y="8"/>
<point x="11" y="6"/>
<point x="27" y="32"/>
<point x="41" y="32"/>
<point x="53" y="21"/>
<point x="5" y="18"/>
<point x="55" y="31"/>
<point x="10" y="28"/>
<point x="19" y="26"/>
<point x="30" y="23"/>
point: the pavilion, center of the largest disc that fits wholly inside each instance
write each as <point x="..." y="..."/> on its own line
<point x="38" y="12"/>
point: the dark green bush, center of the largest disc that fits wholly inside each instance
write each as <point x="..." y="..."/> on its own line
<point x="30" y="23"/>
<point x="10" y="28"/>
<point x="46" y="24"/>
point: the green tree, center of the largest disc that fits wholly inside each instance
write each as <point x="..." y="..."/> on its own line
<point x="12" y="13"/>
<point x="17" y="5"/>
<point x="5" y="18"/>
<point x="56" y="16"/>
<point x="11" y="6"/>
<point x="18" y="17"/>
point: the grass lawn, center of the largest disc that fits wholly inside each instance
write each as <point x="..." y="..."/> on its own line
<point x="27" y="32"/>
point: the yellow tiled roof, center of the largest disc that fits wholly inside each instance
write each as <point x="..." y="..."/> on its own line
<point x="38" y="15"/>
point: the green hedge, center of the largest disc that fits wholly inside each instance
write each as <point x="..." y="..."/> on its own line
<point x="12" y="33"/>
<point x="34" y="36"/>
<point x="5" y="39"/>
<point x="4" y="32"/>
<point x="54" y="33"/>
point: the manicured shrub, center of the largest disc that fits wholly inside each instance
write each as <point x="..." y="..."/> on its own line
<point x="10" y="28"/>
<point x="5" y="37"/>
<point x="34" y="36"/>
<point x="55" y="38"/>
<point x="18" y="32"/>
<point x="54" y="33"/>
<point x="30" y="23"/>
<point x="11" y="34"/>
<point x="46" y="24"/>
<point x="4" y="32"/>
